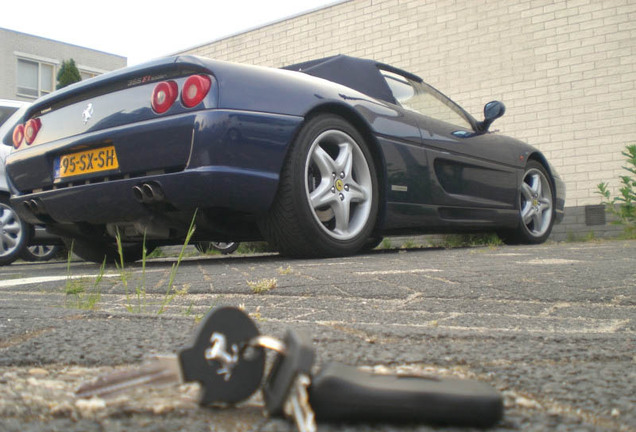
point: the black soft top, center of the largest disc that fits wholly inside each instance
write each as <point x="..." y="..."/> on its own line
<point x="359" y="74"/>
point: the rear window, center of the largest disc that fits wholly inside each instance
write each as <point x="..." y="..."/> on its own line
<point x="5" y="113"/>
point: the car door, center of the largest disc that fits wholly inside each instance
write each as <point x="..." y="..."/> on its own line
<point x="467" y="169"/>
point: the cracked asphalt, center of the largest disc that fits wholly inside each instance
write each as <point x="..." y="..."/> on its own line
<point x="552" y="327"/>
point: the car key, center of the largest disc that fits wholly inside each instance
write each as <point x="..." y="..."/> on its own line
<point x="344" y="393"/>
<point x="285" y="390"/>
<point x="215" y="359"/>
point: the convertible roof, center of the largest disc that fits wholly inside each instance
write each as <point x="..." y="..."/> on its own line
<point x="359" y="74"/>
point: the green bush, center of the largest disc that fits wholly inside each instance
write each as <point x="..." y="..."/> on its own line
<point x="623" y="206"/>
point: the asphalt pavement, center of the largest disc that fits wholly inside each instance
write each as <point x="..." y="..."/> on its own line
<point x="551" y="327"/>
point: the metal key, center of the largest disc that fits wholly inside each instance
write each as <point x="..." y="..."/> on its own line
<point x="285" y="390"/>
<point x="215" y="359"/>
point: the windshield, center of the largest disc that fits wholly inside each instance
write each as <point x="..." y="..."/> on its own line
<point x="425" y="100"/>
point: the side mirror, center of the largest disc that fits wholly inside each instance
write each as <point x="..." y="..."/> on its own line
<point x="492" y="111"/>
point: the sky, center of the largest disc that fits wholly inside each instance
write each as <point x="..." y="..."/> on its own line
<point x="143" y="30"/>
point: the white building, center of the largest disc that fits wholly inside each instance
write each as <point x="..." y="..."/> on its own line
<point x="29" y="64"/>
<point x="566" y="70"/>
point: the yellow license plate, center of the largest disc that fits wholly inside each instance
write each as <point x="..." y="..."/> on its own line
<point x="86" y="162"/>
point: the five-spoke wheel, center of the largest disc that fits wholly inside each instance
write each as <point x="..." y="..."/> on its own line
<point x="327" y="200"/>
<point x="536" y="207"/>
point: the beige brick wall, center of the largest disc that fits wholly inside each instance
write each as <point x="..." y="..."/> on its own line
<point x="566" y="69"/>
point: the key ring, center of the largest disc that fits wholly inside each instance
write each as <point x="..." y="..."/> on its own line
<point x="264" y="341"/>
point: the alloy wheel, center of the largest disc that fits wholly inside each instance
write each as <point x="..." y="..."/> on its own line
<point x="339" y="185"/>
<point x="536" y="203"/>
<point x="11" y="231"/>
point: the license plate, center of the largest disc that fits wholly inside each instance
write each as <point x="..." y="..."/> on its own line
<point x="86" y="162"/>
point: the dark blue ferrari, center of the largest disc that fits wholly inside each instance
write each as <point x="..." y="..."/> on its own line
<point x="320" y="159"/>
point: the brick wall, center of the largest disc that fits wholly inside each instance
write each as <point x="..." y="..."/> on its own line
<point x="566" y="69"/>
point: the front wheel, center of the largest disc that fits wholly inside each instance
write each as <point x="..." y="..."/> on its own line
<point x="536" y="207"/>
<point x="327" y="201"/>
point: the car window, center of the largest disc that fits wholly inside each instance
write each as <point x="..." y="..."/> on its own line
<point x="424" y="99"/>
<point x="5" y="113"/>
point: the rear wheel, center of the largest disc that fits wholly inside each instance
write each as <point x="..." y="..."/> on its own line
<point x="225" y="248"/>
<point x="99" y="250"/>
<point x="536" y="207"/>
<point x="327" y="200"/>
<point x="14" y="233"/>
<point x="39" y="252"/>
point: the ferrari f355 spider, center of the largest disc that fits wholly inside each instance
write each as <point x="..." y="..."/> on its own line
<point x="320" y="159"/>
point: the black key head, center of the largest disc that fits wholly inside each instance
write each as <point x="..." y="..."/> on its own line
<point x="216" y="359"/>
<point x="298" y="359"/>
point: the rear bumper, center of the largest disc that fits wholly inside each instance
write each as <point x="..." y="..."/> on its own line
<point x="115" y="201"/>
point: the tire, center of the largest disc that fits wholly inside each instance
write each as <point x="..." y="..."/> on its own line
<point x="536" y="207"/>
<point x="39" y="252"/>
<point x="225" y="248"/>
<point x="327" y="201"/>
<point x="98" y="250"/>
<point x="14" y="233"/>
<point x="372" y="243"/>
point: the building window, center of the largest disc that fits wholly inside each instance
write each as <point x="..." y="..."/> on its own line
<point x="87" y="75"/>
<point x="35" y="78"/>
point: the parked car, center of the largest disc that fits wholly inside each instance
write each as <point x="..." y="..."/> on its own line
<point x="17" y="238"/>
<point x="319" y="159"/>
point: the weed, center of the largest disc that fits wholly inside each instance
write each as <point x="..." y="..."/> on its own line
<point x="76" y="293"/>
<point x="623" y="206"/>
<point x="253" y="248"/>
<point x="409" y="244"/>
<point x="285" y="271"/>
<point x="470" y="240"/>
<point x="171" y="293"/>
<point x="262" y="285"/>
<point x="385" y="244"/>
<point x="157" y="253"/>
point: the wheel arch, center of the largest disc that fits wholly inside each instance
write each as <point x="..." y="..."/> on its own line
<point x="540" y="158"/>
<point x="362" y="126"/>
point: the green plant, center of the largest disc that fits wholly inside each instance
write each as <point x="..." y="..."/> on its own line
<point x="123" y="275"/>
<point x="471" y="240"/>
<point x="385" y="244"/>
<point x="262" y="285"/>
<point x="171" y="293"/>
<point x="623" y="206"/>
<point x="76" y="293"/>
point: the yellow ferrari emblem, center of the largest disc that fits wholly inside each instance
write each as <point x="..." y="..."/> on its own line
<point x="339" y="185"/>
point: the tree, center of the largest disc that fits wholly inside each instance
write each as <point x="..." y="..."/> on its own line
<point x="68" y="74"/>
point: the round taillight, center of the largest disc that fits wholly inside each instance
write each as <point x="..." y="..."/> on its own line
<point x="18" y="135"/>
<point x="163" y="96"/>
<point x="31" y="130"/>
<point x="195" y="90"/>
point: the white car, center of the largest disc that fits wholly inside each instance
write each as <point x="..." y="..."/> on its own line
<point x="17" y="238"/>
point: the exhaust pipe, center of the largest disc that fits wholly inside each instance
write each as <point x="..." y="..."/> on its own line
<point x="35" y="206"/>
<point x="148" y="193"/>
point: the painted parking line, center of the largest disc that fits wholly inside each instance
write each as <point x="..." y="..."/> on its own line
<point x="43" y="279"/>
<point x="395" y="272"/>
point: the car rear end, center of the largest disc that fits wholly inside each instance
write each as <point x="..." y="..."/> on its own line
<point x="139" y="146"/>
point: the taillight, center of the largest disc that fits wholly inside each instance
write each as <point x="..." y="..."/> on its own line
<point x="164" y="95"/>
<point x="194" y="90"/>
<point x="31" y="130"/>
<point x="18" y="136"/>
